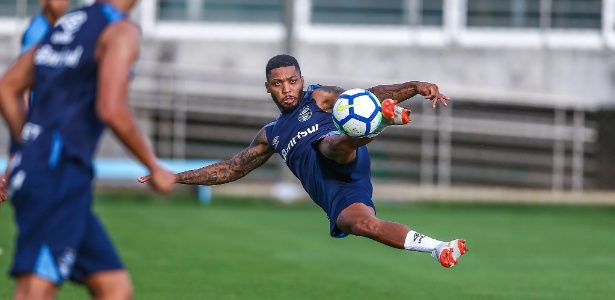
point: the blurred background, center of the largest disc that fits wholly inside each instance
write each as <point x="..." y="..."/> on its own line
<point x="532" y="82"/>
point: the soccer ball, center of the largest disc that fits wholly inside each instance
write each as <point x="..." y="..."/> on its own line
<point x="357" y="113"/>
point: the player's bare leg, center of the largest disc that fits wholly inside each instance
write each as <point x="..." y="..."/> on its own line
<point x="31" y="286"/>
<point x="360" y="220"/>
<point x="110" y="285"/>
<point x="341" y="148"/>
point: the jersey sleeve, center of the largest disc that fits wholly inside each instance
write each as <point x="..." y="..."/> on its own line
<point x="34" y="34"/>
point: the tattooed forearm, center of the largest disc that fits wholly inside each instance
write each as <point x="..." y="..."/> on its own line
<point x="399" y="92"/>
<point x="225" y="171"/>
<point x="209" y="175"/>
<point x="237" y="167"/>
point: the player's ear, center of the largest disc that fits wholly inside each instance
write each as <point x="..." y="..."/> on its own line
<point x="302" y="81"/>
<point x="267" y="87"/>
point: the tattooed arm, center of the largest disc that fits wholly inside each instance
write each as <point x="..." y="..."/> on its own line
<point x="407" y="90"/>
<point x="229" y="170"/>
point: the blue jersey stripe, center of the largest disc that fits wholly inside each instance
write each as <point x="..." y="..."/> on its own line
<point x="45" y="265"/>
<point x="56" y="149"/>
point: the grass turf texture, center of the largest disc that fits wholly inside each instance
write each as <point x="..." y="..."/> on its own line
<point x="175" y="248"/>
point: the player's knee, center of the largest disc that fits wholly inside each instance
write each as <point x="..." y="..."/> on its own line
<point x="110" y="285"/>
<point x="120" y="292"/>
<point x="337" y="148"/>
<point x="362" y="226"/>
<point x="34" y="287"/>
<point x="125" y="293"/>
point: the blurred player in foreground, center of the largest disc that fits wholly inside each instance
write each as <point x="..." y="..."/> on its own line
<point x="51" y="11"/>
<point x="333" y="168"/>
<point x="80" y="74"/>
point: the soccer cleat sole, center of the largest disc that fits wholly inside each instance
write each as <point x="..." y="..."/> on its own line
<point x="451" y="253"/>
<point x="399" y="117"/>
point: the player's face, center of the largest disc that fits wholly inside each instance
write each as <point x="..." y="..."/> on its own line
<point x="285" y="85"/>
<point x="55" y="7"/>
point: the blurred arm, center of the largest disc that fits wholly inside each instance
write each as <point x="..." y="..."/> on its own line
<point x="12" y="86"/>
<point x="15" y="81"/>
<point x="116" y="52"/>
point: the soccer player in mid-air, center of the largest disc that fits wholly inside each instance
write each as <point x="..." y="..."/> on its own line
<point x="333" y="168"/>
<point x="79" y="74"/>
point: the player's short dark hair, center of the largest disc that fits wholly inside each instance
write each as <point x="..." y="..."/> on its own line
<point x="281" y="60"/>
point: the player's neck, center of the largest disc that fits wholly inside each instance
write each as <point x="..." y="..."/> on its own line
<point x="50" y="17"/>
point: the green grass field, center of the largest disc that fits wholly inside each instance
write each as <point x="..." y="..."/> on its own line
<point x="175" y="248"/>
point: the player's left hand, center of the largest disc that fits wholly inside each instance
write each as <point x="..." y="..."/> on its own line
<point x="160" y="180"/>
<point x="4" y="194"/>
<point x="431" y="92"/>
<point x="144" y="179"/>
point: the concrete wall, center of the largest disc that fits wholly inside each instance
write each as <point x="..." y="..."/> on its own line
<point x="565" y="74"/>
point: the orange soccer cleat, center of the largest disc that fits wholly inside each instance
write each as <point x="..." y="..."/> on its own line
<point x="448" y="253"/>
<point x="392" y="114"/>
<point x="396" y="115"/>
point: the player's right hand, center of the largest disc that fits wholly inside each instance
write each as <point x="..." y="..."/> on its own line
<point x="431" y="92"/>
<point x="161" y="180"/>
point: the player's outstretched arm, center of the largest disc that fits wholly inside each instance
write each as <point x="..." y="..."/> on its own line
<point x="229" y="170"/>
<point x="403" y="91"/>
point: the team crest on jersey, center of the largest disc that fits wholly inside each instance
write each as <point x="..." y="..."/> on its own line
<point x="275" y="141"/>
<point x="70" y="24"/>
<point x="305" y="114"/>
